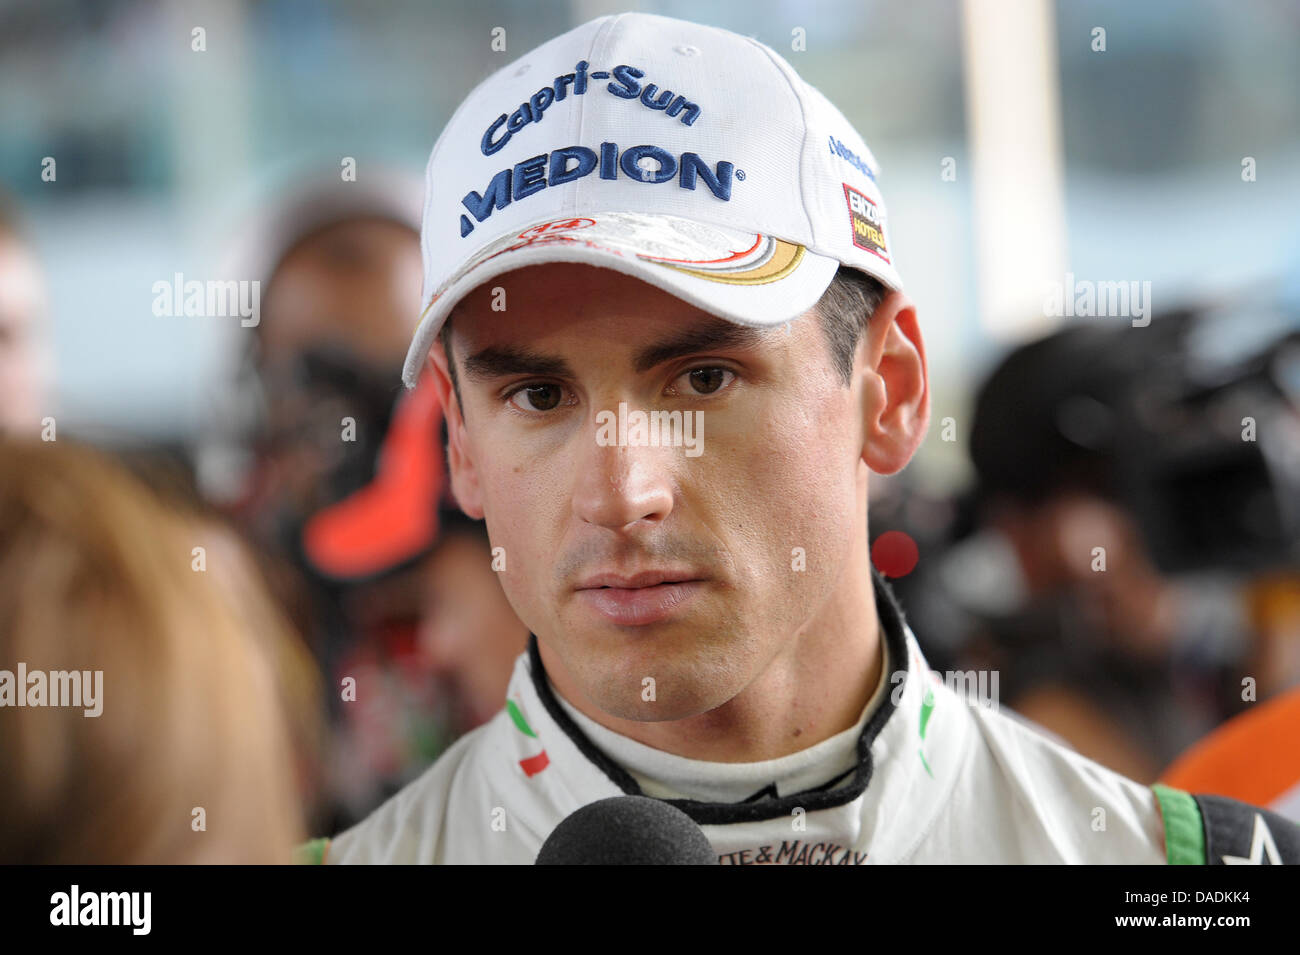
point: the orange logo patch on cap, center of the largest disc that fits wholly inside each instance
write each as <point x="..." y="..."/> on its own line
<point x="867" y="223"/>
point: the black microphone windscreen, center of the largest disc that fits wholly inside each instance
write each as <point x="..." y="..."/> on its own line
<point x="627" y="830"/>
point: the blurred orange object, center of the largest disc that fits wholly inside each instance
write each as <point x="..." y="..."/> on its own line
<point x="394" y="519"/>
<point x="1254" y="757"/>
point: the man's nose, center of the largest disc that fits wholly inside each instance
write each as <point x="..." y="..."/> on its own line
<point x="618" y="486"/>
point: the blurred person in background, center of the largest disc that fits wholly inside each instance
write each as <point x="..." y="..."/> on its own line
<point x="468" y="631"/>
<point x="1255" y="756"/>
<point x="314" y="393"/>
<point x="1090" y="655"/>
<point x="400" y="535"/>
<point x="345" y="495"/>
<point x="1112" y="570"/>
<point x="314" y="389"/>
<point x="24" y="348"/>
<point x="205" y="692"/>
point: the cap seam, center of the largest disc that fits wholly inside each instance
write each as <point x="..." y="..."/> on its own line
<point x="426" y="302"/>
<point x="803" y="147"/>
<point x="571" y="199"/>
<point x="428" y="169"/>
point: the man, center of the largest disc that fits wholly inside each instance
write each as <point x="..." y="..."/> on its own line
<point x="664" y="323"/>
<point x="347" y="490"/>
<point x="336" y="260"/>
<point x="1129" y="666"/>
<point x="338" y="266"/>
<point x="402" y="532"/>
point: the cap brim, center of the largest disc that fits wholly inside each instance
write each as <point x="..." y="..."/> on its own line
<point x="744" y="277"/>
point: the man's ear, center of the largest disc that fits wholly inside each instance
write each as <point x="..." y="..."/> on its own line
<point x="896" y="394"/>
<point x="460" y="461"/>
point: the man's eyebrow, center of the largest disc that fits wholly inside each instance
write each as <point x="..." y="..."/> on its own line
<point x="714" y="334"/>
<point x="496" y="361"/>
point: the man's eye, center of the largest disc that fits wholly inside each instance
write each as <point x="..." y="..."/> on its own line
<point x="537" y="397"/>
<point x="704" y="381"/>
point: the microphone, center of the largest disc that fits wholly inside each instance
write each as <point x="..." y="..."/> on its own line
<point x="627" y="830"/>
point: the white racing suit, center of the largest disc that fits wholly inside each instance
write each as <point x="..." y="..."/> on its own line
<point x="927" y="776"/>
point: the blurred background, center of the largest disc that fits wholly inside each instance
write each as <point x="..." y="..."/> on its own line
<point x="1036" y="157"/>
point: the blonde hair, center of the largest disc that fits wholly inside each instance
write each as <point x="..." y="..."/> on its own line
<point x="198" y="670"/>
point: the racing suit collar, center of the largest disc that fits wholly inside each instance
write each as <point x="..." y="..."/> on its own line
<point x="825" y="796"/>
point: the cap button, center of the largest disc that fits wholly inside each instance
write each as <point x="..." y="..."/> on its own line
<point x="523" y="69"/>
<point x="685" y="49"/>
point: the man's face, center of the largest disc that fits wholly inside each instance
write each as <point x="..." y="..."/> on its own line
<point x="639" y="562"/>
<point x="343" y="297"/>
<point x="353" y="285"/>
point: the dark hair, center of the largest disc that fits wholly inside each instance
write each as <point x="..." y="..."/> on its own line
<point x="1044" y="420"/>
<point x="845" y="308"/>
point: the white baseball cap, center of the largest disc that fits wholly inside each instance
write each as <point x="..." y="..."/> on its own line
<point x="689" y="157"/>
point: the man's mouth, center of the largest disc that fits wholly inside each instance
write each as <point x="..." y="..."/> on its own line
<point x="639" y="599"/>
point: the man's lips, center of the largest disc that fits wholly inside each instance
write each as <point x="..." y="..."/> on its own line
<point x="639" y="599"/>
<point x="646" y="578"/>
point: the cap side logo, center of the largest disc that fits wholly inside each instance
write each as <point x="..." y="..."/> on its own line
<point x="850" y="157"/>
<point x="866" y="223"/>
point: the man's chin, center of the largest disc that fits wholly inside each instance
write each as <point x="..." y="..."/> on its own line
<point x="654" y="674"/>
<point x="683" y="705"/>
<point x="627" y="653"/>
